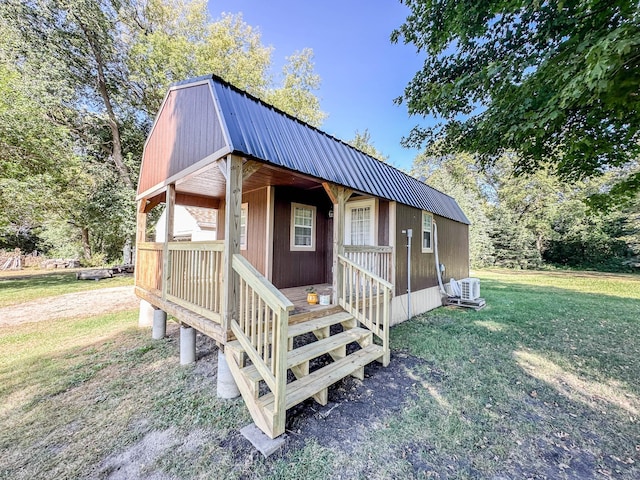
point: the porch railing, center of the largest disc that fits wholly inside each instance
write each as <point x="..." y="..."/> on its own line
<point x="149" y="267"/>
<point x="194" y="280"/>
<point x="374" y="259"/>
<point x="367" y="297"/>
<point x="261" y="328"/>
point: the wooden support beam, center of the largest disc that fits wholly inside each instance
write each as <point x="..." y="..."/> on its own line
<point x="233" y="207"/>
<point x="190" y="200"/>
<point x="392" y="243"/>
<point x="141" y="223"/>
<point x="268" y="259"/>
<point x="183" y="315"/>
<point x="339" y="196"/>
<point x="249" y="167"/>
<point x="170" y="202"/>
<point x="222" y="165"/>
<point x="150" y="203"/>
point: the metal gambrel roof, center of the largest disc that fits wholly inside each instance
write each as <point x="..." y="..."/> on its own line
<point x="258" y="130"/>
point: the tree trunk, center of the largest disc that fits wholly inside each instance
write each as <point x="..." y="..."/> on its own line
<point x="86" y="246"/>
<point x="116" y="151"/>
<point x="539" y="244"/>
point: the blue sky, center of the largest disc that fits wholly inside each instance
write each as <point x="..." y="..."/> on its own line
<point x="361" y="71"/>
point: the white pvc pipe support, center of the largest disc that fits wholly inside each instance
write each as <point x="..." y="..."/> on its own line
<point x="145" y="317"/>
<point x="226" y="386"/>
<point x="187" y="345"/>
<point x="159" y="324"/>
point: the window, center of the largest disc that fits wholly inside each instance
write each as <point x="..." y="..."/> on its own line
<point x="303" y="227"/>
<point x="360" y="223"/>
<point x="427" y="224"/>
<point x="244" y="213"/>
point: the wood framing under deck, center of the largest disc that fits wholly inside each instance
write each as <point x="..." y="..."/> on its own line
<point x="184" y="315"/>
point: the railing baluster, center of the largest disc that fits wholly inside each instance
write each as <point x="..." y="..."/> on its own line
<point x="247" y="310"/>
<point x="361" y="302"/>
<point x="370" y="298"/>
<point x="194" y="275"/>
<point x="378" y="291"/>
<point x="261" y="319"/>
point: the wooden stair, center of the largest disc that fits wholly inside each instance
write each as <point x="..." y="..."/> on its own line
<point x="314" y="384"/>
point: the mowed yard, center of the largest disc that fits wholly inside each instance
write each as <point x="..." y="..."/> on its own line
<point x="542" y="383"/>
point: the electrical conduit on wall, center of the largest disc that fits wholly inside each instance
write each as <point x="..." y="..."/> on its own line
<point x="435" y="249"/>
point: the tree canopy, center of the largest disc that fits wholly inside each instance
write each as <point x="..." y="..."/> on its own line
<point x="525" y="220"/>
<point x="80" y="84"/>
<point x="557" y="82"/>
<point x="362" y="141"/>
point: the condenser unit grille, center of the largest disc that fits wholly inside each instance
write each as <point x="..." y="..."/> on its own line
<point x="469" y="289"/>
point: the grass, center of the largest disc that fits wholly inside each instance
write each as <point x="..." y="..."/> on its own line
<point x="34" y="286"/>
<point x="542" y="383"/>
<point x="547" y="377"/>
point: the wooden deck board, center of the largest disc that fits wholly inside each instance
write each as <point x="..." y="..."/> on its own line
<point x="313" y="350"/>
<point x="317" y="381"/>
<point x="298" y="296"/>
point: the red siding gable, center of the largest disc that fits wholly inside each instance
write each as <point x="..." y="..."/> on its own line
<point x="187" y="130"/>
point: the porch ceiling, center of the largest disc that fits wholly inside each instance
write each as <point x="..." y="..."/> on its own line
<point x="210" y="181"/>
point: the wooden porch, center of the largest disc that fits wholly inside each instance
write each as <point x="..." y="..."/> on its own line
<point x="187" y="281"/>
<point x="214" y="287"/>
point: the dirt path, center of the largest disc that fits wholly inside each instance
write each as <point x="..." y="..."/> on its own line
<point x="71" y="305"/>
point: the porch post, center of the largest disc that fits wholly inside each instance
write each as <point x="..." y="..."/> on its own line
<point x="170" y="201"/>
<point x="141" y="223"/>
<point x="233" y="209"/>
<point x="339" y="197"/>
<point x="145" y="315"/>
<point x="232" y="169"/>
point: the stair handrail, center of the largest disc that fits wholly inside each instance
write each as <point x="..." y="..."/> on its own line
<point x="261" y="327"/>
<point x="369" y="305"/>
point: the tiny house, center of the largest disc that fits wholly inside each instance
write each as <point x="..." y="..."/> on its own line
<point x="296" y="209"/>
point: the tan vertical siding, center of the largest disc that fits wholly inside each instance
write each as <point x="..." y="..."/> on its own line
<point x="453" y="250"/>
<point x="186" y="131"/>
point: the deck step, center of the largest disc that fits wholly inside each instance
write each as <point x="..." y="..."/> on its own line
<point x="316" y="349"/>
<point x="324" y="377"/>
<point x="305" y="327"/>
<point x="318" y="323"/>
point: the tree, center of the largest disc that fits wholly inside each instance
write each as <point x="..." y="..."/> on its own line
<point x="456" y="176"/>
<point x="557" y="82"/>
<point x="175" y="41"/>
<point x="86" y="79"/>
<point x="362" y="141"/>
<point x="296" y="95"/>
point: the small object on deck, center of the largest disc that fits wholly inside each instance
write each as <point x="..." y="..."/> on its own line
<point x="312" y="296"/>
<point x="267" y="446"/>
<point x="94" y="274"/>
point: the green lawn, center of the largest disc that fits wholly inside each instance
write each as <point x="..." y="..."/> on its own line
<point x="548" y="374"/>
<point x="32" y="287"/>
<point x="542" y="383"/>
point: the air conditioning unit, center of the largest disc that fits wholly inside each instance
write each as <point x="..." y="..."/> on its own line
<point x="469" y="289"/>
